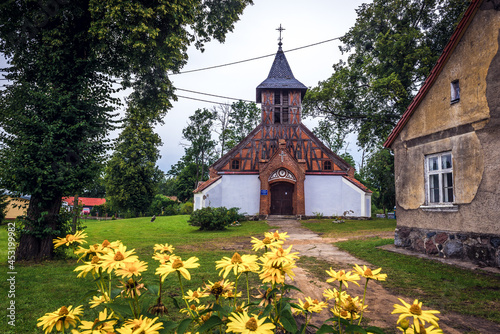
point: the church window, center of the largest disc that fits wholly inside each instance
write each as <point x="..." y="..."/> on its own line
<point x="285" y="116"/>
<point x="439" y="178"/>
<point x="235" y="164"/>
<point x="327" y="165"/>
<point x="285" y="97"/>
<point x="277" y="115"/>
<point x="455" y="91"/>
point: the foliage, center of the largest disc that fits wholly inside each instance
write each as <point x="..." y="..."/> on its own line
<point x="212" y="219"/>
<point x="131" y="174"/>
<point x="162" y="205"/>
<point x="391" y="49"/>
<point x="379" y="176"/>
<point x="96" y="188"/>
<point x="243" y="118"/>
<point x="63" y="60"/>
<point x="186" y="208"/>
<point x="3" y="206"/>
<point x="219" y="305"/>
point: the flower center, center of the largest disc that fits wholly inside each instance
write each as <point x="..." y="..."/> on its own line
<point x="368" y="272"/>
<point x="276" y="235"/>
<point x="415" y="309"/>
<point x="69" y="237"/>
<point x="236" y="259"/>
<point x="306" y="305"/>
<point x="106" y="243"/>
<point x="195" y="294"/>
<point x="95" y="259"/>
<point x="177" y="264"/>
<point x="192" y="307"/>
<point x="216" y="289"/>
<point x="119" y="256"/>
<point x="315" y="301"/>
<point x="63" y="311"/>
<point x="280" y="252"/>
<point x="95" y="323"/>
<point x="251" y="324"/>
<point x="266" y="241"/>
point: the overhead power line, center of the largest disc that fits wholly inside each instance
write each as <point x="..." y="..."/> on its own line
<point x="223" y="97"/>
<point x="193" y="98"/>
<point x="255" y="58"/>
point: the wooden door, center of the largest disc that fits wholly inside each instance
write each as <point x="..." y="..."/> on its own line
<point x="282" y="198"/>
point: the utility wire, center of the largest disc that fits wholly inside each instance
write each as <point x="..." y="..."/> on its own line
<point x="223" y="97"/>
<point x="193" y="98"/>
<point x="255" y="58"/>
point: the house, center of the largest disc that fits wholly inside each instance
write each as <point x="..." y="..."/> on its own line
<point x="87" y="202"/>
<point x="447" y="148"/>
<point x="17" y="206"/>
<point x="281" y="167"/>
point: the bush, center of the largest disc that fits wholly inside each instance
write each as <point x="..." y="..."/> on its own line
<point x="186" y="208"/>
<point x="212" y="219"/>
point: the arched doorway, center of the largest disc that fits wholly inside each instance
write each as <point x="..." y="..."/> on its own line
<point x="282" y="198"/>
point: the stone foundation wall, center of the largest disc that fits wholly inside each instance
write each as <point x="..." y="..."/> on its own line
<point x="482" y="249"/>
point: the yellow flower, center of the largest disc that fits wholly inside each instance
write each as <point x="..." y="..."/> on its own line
<point x="141" y="326"/>
<point x="275" y="236"/>
<point x="334" y="294"/>
<point x="91" y="266"/>
<point x="429" y="330"/>
<point x="238" y="263"/>
<point x="243" y="323"/>
<point x="129" y="269"/>
<point x="196" y="295"/>
<point x="311" y="305"/>
<point x="98" y="300"/>
<point x="163" y="248"/>
<point x="348" y="308"/>
<point x="220" y="288"/>
<point x="194" y="309"/>
<point x="116" y="257"/>
<point x="132" y="287"/>
<point x="164" y="257"/>
<point x="343" y="277"/>
<point x="91" y="327"/>
<point x="179" y="266"/>
<point x="267" y="242"/>
<point x="415" y="311"/>
<point x="369" y="274"/>
<point x="276" y="274"/>
<point x="279" y="256"/>
<point x="62" y="318"/>
<point x="70" y="238"/>
<point x="93" y="250"/>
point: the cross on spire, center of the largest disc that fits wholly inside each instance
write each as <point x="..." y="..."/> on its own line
<point x="280" y="29"/>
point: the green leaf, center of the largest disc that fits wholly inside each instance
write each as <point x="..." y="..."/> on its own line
<point x="355" y="329"/>
<point x="183" y="326"/>
<point x="375" y="330"/>
<point x="326" y="329"/>
<point x="123" y="310"/>
<point x="89" y="293"/>
<point x="168" y="325"/>
<point x="210" y="323"/>
<point x="176" y="303"/>
<point x="288" y="321"/>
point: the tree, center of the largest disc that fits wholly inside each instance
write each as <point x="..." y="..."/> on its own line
<point x="221" y="115"/>
<point x="243" y="118"/>
<point x="185" y="181"/>
<point x="392" y="48"/>
<point x="64" y="57"/>
<point x="131" y="174"/>
<point x="200" y="145"/>
<point x="379" y="176"/>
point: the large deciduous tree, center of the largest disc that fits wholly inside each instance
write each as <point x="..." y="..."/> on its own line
<point x="392" y="48"/>
<point x="63" y="57"/>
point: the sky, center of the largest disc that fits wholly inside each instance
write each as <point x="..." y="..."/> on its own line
<point x="255" y="35"/>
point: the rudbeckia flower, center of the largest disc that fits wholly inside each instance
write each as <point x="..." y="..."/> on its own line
<point x="142" y="325"/>
<point x="164" y="257"/>
<point x="349" y="308"/>
<point x="243" y="323"/>
<point x="334" y="294"/>
<point x="91" y="327"/>
<point x="195" y="295"/>
<point x="128" y="269"/>
<point x="415" y="311"/>
<point x="311" y="306"/>
<point x="276" y="274"/>
<point x="342" y="276"/>
<point x="179" y="266"/>
<point x="62" y="318"/>
<point x="238" y="263"/>
<point x="369" y="274"/>
<point x="220" y="288"/>
<point x="279" y="256"/>
<point x="163" y="248"/>
<point x="98" y="300"/>
<point x="70" y="238"/>
<point x="275" y="236"/>
<point x="116" y="257"/>
<point x="89" y="267"/>
<point x="265" y="243"/>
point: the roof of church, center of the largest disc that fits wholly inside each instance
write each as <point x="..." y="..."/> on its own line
<point x="204" y="185"/>
<point x="280" y="77"/>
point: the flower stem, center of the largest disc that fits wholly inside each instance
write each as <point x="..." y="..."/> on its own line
<point x="363" y="304"/>
<point x="248" y="290"/>
<point x="340" y="299"/>
<point x="184" y="297"/>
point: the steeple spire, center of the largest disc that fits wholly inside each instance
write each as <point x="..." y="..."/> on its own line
<point x="280" y="29"/>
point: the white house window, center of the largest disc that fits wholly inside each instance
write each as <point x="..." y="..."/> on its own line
<point x="439" y="170"/>
<point x="455" y="91"/>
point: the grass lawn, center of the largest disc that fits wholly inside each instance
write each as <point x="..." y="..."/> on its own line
<point x="46" y="286"/>
<point x="327" y="229"/>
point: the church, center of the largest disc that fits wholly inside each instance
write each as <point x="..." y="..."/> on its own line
<point x="281" y="167"/>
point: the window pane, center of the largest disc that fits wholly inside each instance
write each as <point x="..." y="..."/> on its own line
<point x="447" y="187"/>
<point x="433" y="163"/>
<point x="434" y="188"/>
<point x="446" y="161"/>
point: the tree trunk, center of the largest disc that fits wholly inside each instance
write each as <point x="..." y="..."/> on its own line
<point x="37" y="244"/>
<point x="75" y="214"/>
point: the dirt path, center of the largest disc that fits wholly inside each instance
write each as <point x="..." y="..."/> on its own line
<point x="380" y="300"/>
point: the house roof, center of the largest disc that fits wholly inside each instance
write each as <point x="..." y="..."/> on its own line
<point x="206" y="184"/>
<point x="436" y="70"/>
<point x="358" y="184"/>
<point x="86" y="201"/>
<point x="280" y="77"/>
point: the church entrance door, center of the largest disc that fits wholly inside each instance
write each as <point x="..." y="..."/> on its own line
<point x="282" y="198"/>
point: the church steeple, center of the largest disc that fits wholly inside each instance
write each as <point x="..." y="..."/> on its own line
<point x="280" y="94"/>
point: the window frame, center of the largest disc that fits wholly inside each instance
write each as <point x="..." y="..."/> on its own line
<point x="330" y="165"/>
<point x="440" y="172"/>
<point x="237" y="161"/>
<point x="455" y="91"/>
